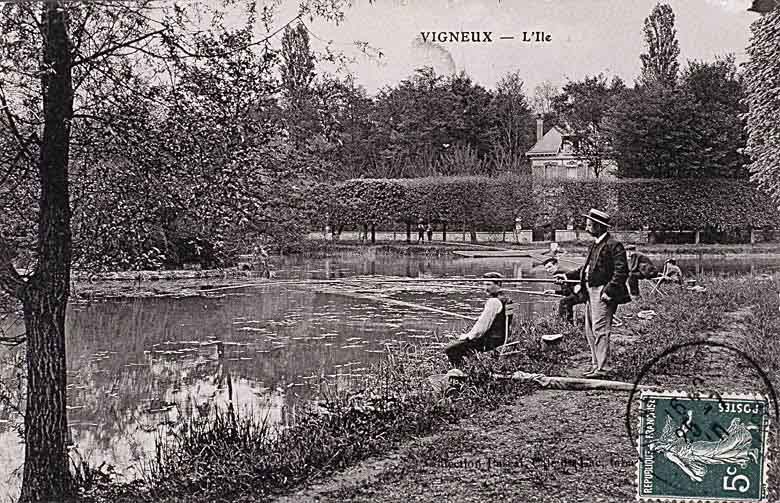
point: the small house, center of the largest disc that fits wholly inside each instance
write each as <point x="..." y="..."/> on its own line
<point x="554" y="155"/>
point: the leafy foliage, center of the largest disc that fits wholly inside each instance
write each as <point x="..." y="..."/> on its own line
<point x="659" y="64"/>
<point x="762" y="80"/>
<point x="692" y="130"/>
<point x="583" y="105"/>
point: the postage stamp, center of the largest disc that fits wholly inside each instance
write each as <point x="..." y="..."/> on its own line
<point x="703" y="448"/>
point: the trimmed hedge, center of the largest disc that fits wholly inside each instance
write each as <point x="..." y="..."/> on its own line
<point x="492" y="203"/>
<point x="475" y="201"/>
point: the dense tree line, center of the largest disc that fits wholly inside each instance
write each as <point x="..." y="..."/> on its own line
<point x="211" y="148"/>
<point x="671" y="123"/>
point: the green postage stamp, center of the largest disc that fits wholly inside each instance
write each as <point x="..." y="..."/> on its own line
<point x="709" y="448"/>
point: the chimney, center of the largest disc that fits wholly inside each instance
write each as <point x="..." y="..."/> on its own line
<point x="539" y="127"/>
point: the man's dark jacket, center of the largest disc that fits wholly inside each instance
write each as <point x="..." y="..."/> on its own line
<point x="610" y="268"/>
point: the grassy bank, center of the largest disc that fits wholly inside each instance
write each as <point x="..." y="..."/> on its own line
<point x="230" y="458"/>
<point x="560" y="446"/>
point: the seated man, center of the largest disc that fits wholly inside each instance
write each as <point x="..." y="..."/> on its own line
<point x="639" y="267"/>
<point x="491" y="329"/>
<point x="672" y="272"/>
<point x="571" y="293"/>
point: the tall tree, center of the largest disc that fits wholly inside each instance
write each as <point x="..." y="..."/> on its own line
<point x="762" y="80"/>
<point x="543" y="100"/>
<point x="347" y="118"/>
<point x="582" y="106"/>
<point x="718" y="93"/>
<point x="44" y="293"/>
<point x="470" y="120"/>
<point x="692" y="130"/>
<point x="423" y="121"/>
<point x="62" y="63"/>
<point x="513" y="124"/>
<point x="298" y="75"/>
<point x="659" y="63"/>
<point x="544" y="96"/>
<point x="652" y="133"/>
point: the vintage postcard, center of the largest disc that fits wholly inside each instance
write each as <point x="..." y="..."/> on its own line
<point x="389" y="251"/>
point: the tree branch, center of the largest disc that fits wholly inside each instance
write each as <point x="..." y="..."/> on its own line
<point x="108" y="51"/>
<point x="12" y="123"/>
<point x="222" y="54"/>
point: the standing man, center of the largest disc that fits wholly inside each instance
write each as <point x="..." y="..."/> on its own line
<point x="603" y="279"/>
<point x="572" y="294"/>
<point x="491" y="329"/>
<point x="639" y="267"/>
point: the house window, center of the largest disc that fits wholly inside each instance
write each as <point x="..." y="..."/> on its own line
<point x="550" y="170"/>
<point x="571" y="172"/>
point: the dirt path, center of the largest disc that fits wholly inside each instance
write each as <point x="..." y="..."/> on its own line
<point x="551" y="446"/>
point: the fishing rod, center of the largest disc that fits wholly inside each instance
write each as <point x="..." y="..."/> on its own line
<point x="509" y="290"/>
<point x="377" y="279"/>
<point x="462" y="280"/>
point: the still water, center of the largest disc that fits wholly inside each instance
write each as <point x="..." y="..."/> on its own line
<point x="136" y="365"/>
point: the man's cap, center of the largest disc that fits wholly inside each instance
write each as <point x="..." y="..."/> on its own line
<point x="670" y="261"/>
<point x="600" y="217"/>
<point x="493" y="275"/>
<point x="550" y="259"/>
<point x="630" y="247"/>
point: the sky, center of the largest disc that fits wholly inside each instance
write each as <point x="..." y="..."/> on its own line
<point x="587" y="37"/>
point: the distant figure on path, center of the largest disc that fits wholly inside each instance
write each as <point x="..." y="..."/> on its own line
<point x="639" y="267"/>
<point x="491" y="329"/>
<point x="420" y="231"/>
<point x="518" y="229"/>
<point x="429" y="231"/>
<point x="603" y="279"/>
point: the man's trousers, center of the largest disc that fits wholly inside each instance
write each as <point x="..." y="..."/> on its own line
<point x="462" y="348"/>
<point x="598" y="327"/>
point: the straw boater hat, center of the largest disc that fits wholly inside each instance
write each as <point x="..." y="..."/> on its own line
<point x="599" y="217"/>
<point x="495" y="277"/>
<point x="552" y="338"/>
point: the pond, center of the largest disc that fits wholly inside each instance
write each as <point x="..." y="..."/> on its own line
<point x="135" y="365"/>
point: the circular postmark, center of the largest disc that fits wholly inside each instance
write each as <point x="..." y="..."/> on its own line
<point x="697" y="441"/>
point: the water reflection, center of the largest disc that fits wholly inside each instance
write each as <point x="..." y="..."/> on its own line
<point x="136" y="365"/>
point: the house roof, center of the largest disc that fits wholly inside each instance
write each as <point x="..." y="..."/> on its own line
<point x="550" y="143"/>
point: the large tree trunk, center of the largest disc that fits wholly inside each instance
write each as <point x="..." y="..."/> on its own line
<point x="46" y="473"/>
